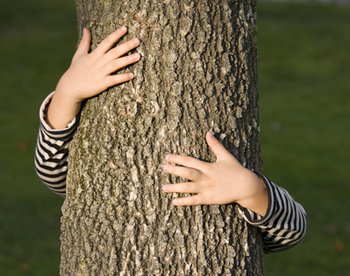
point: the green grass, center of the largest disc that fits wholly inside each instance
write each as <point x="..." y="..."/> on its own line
<point x="303" y="83"/>
<point x="38" y="39"/>
<point x="304" y="90"/>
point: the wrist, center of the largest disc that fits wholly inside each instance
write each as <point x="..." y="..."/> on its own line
<point x="67" y="94"/>
<point x="62" y="110"/>
<point x="256" y="199"/>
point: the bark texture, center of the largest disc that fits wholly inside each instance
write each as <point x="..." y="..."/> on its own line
<point x="198" y="73"/>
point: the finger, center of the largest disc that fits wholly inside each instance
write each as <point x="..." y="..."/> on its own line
<point x="188" y="173"/>
<point x="186" y="187"/>
<point x="110" y="40"/>
<point x="187" y="201"/>
<point x="186" y="161"/>
<point x="84" y="45"/>
<point x="123" y="48"/>
<point x="217" y="148"/>
<point x="118" y="79"/>
<point x="121" y="63"/>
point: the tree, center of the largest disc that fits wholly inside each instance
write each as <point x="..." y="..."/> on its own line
<point x="198" y="73"/>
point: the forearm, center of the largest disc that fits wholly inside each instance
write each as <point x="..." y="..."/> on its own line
<point x="51" y="165"/>
<point x="89" y="74"/>
<point x="51" y="154"/>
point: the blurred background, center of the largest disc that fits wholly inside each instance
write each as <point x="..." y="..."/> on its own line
<point x="304" y="88"/>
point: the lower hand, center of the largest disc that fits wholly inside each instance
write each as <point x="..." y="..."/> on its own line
<point x="225" y="181"/>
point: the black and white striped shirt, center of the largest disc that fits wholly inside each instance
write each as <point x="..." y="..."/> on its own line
<point x="283" y="226"/>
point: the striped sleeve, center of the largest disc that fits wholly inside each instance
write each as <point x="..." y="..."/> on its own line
<point x="51" y="153"/>
<point x="284" y="224"/>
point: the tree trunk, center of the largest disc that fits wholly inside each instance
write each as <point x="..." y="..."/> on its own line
<point x="198" y="73"/>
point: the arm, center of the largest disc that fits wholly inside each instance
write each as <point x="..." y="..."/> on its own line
<point x="284" y="224"/>
<point x="51" y="153"/>
<point x="89" y="75"/>
<point x="264" y="205"/>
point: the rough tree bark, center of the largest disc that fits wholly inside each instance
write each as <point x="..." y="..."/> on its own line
<point x="198" y="73"/>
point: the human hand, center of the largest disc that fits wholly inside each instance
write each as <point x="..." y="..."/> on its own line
<point x="225" y="181"/>
<point x="92" y="73"/>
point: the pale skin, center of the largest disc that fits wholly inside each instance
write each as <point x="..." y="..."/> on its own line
<point x="222" y="182"/>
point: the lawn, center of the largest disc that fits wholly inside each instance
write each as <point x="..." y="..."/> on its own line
<point x="304" y="85"/>
<point x="304" y="90"/>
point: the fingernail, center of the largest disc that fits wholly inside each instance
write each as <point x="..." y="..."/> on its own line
<point x="165" y="167"/>
<point x="136" y="41"/>
<point x="123" y="28"/>
<point x="165" y="188"/>
<point x="131" y="76"/>
<point x="137" y="56"/>
<point x="175" y="201"/>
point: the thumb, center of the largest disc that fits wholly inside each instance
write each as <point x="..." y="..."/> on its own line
<point x="84" y="45"/>
<point x="217" y="148"/>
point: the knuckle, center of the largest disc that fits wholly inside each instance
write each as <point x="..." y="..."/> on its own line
<point x="108" y="40"/>
<point x="115" y="65"/>
<point x="207" y="167"/>
<point x="193" y="200"/>
<point x="110" y="81"/>
<point x="211" y="198"/>
<point x="190" y="174"/>
<point x="186" y="187"/>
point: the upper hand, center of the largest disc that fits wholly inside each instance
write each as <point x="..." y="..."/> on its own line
<point x="225" y="181"/>
<point x="92" y="73"/>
